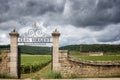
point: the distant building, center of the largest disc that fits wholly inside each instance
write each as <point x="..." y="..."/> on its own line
<point x="92" y="53"/>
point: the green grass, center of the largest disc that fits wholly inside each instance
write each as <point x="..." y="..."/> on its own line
<point x="6" y="76"/>
<point x="31" y="59"/>
<point x="112" y="53"/>
<point x="108" y="56"/>
<point x="32" y="63"/>
<point x="55" y="75"/>
<point x="41" y="74"/>
<point x="44" y="73"/>
<point x="98" y="58"/>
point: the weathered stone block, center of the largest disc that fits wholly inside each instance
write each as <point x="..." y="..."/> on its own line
<point x="4" y="68"/>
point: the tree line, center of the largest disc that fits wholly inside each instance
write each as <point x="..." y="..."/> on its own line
<point x="30" y="49"/>
<point x="93" y="48"/>
<point x="81" y="48"/>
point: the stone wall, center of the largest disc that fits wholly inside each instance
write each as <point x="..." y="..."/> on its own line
<point x="70" y="66"/>
<point x="4" y="63"/>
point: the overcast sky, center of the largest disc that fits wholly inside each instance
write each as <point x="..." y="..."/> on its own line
<point x="78" y="21"/>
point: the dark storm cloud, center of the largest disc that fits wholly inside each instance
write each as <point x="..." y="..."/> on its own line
<point x="17" y="9"/>
<point x="3" y="9"/>
<point x="109" y="11"/>
<point x="110" y="34"/>
<point x="8" y="26"/>
<point x="95" y="14"/>
<point x="109" y="38"/>
<point x="3" y="6"/>
<point x="43" y="6"/>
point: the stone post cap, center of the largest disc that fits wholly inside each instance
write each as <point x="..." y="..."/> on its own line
<point x="55" y="33"/>
<point x="14" y="33"/>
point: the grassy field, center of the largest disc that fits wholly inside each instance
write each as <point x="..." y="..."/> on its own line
<point x="109" y="56"/>
<point x="112" y="53"/>
<point x="98" y="58"/>
<point x="39" y="74"/>
<point x="32" y="63"/>
<point x="32" y="66"/>
<point x="34" y="59"/>
<point x="44" y="73"/>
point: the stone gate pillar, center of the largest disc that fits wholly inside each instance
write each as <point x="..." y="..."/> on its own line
<point x="14" y="53"/>
<point x="55" y="54"/>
